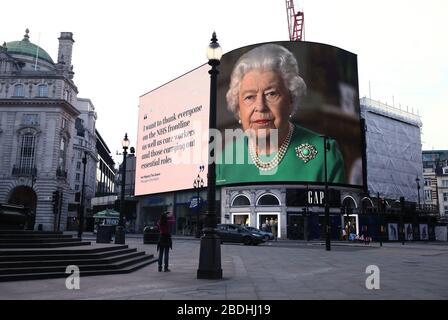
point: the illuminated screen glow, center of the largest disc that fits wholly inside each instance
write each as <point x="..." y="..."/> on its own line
<point x="291" y="119"/>
<point x="173" y="134"/>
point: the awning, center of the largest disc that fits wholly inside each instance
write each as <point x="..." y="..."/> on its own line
<point x="108" y="213"/>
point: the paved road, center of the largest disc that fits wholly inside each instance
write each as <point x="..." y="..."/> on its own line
<point x="284" y="270"/>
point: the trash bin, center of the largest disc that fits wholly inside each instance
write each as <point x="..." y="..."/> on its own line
<point x="150" y="234"/>
<point x="104" y="233"/>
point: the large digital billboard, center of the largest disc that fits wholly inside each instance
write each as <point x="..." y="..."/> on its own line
<point x="275" y="104"/>
<point x="173" y="134"/>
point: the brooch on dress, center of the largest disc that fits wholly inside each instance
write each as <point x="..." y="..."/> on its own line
<point x="306" y="152"/>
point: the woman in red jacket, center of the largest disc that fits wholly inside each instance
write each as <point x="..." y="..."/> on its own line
<point x="165" y="243"/>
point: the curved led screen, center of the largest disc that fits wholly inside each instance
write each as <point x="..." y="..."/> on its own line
<point x="276" y="105"/>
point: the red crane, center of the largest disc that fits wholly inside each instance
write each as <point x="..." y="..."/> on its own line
<point x="296" y="22"/>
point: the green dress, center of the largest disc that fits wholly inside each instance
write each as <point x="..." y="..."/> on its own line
<point x="303" y="162"/>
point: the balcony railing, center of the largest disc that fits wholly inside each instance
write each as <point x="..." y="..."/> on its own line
<point x="24" y="171"/>
<point x="61" y="173"/>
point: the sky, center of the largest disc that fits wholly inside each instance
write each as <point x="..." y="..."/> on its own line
<point x="123" y="49"/>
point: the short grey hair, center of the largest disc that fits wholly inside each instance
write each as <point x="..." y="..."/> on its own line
<point x="267" y="57"/>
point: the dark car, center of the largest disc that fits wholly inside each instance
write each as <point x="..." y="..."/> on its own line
<point x="238" y="234"/>
<point x="265" y="234"/>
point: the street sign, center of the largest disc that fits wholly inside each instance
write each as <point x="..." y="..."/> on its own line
<point x="195" y="202"/>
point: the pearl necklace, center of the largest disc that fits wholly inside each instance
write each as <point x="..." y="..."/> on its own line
<point x="266" y="166"/>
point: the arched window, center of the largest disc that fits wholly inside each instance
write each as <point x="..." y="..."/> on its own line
<point x="348" y="204"/>
<point x="268" y="200"/>
<point x="18" y="90"/>
<point x="366" y="205"/>
<point x="240" y="201"/>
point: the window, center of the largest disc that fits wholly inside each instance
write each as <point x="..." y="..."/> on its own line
<point x="78" y="165"/>
<point x="445" y="183"/>
<point x="427" y="182"/>
<point x="445" y="196"/>
<point x="445" y="170"/>
<point x="43" y="90"/>
<point x="67" y="95"/>
<point x="27" y="151"/>
<point x="62" y="151"/>
<point x="78" y="177"/>
<point x="18" y="90"/>
<point x="240" y="201"/>
<point x="428" y="196"/>
<point x="76" y="187"/>
<point x="268" y="200"/>
<point x="79" y="126"/>
<point x="446" y="210"/>
<point x="30" y="119"/>
<point x="64" y="123"/>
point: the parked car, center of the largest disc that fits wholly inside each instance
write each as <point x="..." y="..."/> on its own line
<point x="238" y="234"/>
<point x="265" y="234"/>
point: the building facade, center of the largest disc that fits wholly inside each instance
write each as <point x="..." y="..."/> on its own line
<point x="37" y="120"/>
<point x="435" y="185"/>
<point x="393" y="151"/>
<point x="84" y="150"/>
<point x="46" y="131"/>
<point x="105" y="175"/>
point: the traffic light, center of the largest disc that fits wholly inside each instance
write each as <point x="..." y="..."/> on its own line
<point x="55" y="201"/>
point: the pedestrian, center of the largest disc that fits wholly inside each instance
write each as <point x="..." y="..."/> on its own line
<point x="275" y="229"/>
<point x="366" y="235"/>
<point x="165" y="242"/>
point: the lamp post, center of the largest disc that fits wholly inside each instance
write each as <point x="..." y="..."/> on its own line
<point x="380" y="220"/>
<point x="417" y="180"/>
<point x="210" y="252"/>
<point x="81" y="206"/>
<point x="120" y="231"/>
<point x="197" y="184"/>
<point x="327" y="209"/>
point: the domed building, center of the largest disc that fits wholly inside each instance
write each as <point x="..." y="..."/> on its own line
<point x="38" y="113"/>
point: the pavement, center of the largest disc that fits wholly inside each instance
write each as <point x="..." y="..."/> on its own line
<point x="276" y="270"/>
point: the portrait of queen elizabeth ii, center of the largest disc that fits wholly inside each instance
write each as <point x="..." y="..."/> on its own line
<point x="264" y="94"/>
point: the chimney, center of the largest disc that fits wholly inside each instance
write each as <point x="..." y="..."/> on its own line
<point x="65" y="49"/>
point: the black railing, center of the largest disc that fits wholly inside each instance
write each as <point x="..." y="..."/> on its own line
<point x="61" y="173"/>
<point x="24" y="171"/>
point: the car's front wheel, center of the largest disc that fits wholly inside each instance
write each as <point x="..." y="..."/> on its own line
<point x="266" y="238"/>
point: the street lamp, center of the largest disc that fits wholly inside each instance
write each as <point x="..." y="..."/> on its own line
<point x="210" y="252"/>
<point x="327" y="209"/>
<point x="197" y="184"/>
<point x="418" y="191"/>
<point x="120" y="231"/>
<point x="81" y="206"/>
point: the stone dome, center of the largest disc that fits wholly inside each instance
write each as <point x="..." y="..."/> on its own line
<point x="25" y="47"/>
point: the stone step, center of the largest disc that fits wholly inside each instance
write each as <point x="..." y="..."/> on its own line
<point x="43" y="245"/>
<point x="88" y="267"/>
<point x="47" y="255"/>
<point x="29" y="232"/>
<point x="62" y="261"/>
<point x="99" y="272"/>
<point x="39" y="240"/>
<point x="33" y="236"/>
